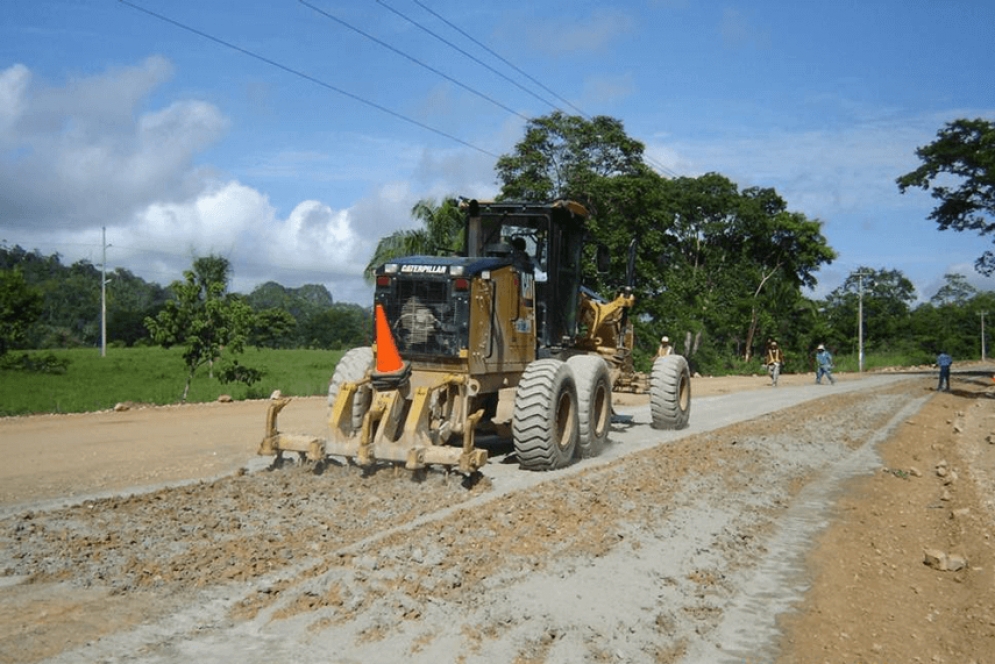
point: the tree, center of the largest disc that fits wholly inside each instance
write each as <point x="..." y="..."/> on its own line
<point x="716" y="267"/>
<point x="562" y="155"/>
<point x="284" y="313"/>
<point x="956" y="290"/>
<point x="206" y="319"/>
<point x="964" y="151"/>
<point x="20" y="307"/>
<point x="341" y="326"/>
<point x="887" y="298"/>
<point x="273" y="328"/>
<point x="130" y="300"/>
<point x="951" y="320"/>
<point x="71" y="300"/>
<point x="441" y="233"/>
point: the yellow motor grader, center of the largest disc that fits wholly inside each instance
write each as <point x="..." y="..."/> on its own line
<point x="503" y="339"/>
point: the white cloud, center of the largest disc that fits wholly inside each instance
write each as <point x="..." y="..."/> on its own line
<point x="600" y="90"/>
<point x="89" y="154"/>
<point x="819" y="171"/>
<point x="591" y="34"/>
<point x="739" y="32"/>
<point x="84" y="155"/>
<point x="844" y="176"/>
<point x="14" y="82"/>
<point x="313" y="244"/>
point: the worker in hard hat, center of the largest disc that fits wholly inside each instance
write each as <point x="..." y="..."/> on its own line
<point x="823" y="365"/>
<point x="774" y="360"/>
<point x="665" y="347"/>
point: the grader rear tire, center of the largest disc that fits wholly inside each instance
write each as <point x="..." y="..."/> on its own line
<point x="544" y="423"/>
<point x="351" y="369"/>
<point x="670" y="392"/>
<point x="594" y="403"/>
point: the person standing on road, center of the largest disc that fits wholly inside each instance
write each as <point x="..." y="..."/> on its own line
<point x="665" y="347"/>
<point x="824" y="365"/>
<point x="774" y="361"/>
<point x="943" y="360"/>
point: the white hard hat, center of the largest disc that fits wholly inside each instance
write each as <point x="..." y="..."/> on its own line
<point x="665" y="340"/>
<point x="821" y="347"/>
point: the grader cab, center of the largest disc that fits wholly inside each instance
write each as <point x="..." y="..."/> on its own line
<point x="503" y="340"/>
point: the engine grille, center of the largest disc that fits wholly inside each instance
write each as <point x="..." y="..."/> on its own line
<point x="425" y="318"/>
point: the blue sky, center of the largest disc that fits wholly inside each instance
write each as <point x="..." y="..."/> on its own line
<point x="293" y="168"/>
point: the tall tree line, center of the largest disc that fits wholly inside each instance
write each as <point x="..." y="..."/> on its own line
<point x="720" y="269"/>
<point x="66" y="308"/>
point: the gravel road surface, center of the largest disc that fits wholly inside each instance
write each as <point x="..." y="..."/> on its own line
<point x="670" y="547"/>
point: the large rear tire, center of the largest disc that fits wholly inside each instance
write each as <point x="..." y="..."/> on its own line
<point x="352" y="368"/>
<point x="544" y="423"/>
<point x="670" y="392"/>
<point x="594" y="403"/>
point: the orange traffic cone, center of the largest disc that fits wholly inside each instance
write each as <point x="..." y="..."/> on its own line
<point x="388" y="359"/>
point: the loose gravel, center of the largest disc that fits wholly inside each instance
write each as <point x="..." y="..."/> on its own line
<point x="671" y="547"/>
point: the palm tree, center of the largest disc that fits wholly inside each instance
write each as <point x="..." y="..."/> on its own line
<point x="441" y="234"/>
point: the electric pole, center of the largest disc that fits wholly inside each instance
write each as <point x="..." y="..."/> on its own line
<point x="103" y="293"/>
<point x="860" y="321"/>
<point x="983" y="348"/>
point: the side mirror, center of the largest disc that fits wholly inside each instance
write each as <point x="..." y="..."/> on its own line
<point x="603" y="259"/>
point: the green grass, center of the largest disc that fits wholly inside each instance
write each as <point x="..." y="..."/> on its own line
<point x="156" y="376"/>
<point x="874" y="361"/>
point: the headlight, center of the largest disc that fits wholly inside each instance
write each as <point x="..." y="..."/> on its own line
<point x="390" y="268"/>
<point x="456" y="270"/>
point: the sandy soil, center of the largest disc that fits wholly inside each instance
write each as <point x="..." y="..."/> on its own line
<point x="785" y="525"/>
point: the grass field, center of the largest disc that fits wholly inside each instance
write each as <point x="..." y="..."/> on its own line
<point x="156" y="376"/>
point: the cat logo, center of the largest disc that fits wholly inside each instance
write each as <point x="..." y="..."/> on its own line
<point x="423" y="269"/>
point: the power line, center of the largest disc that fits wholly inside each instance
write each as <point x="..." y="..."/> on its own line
<point x="489" y="50"/>
<point x="652" y="162"/>
<point x="412" y="59"/>
<point x="306" y="77"/>
<point x="467" y="53"/>
<point x="362" y="100"/>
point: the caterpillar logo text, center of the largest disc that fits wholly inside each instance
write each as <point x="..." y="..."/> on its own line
<point x="423" y="269"/>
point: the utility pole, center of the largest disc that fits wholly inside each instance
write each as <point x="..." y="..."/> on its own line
<point x="860" y="321"/>
<point x="983" y="348"/>
<point x="103" y="294"/>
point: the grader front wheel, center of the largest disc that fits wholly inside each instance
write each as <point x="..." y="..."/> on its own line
<point x="544" y="424"/>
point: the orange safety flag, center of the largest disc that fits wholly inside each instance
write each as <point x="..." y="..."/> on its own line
<point x="388" y="359"/>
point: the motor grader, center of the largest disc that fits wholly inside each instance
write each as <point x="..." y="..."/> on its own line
<point x="502" y="340"/>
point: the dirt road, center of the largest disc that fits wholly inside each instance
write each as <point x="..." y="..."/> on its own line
<point x="706" y="545"/>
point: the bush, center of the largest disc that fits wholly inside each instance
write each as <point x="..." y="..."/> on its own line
<point x="38" y="363"/>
